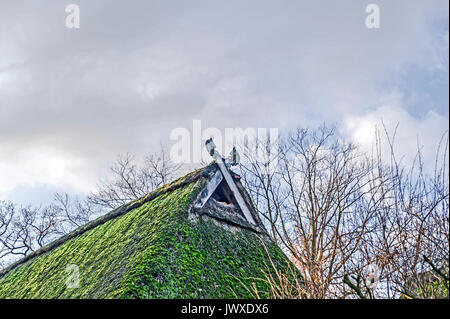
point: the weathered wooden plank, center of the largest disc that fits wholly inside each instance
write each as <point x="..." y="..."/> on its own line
<point x="209" y="189"/>
<point x="240" y="200"/>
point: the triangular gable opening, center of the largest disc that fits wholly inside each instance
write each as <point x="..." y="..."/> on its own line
<point x="225" y="202"/>
<point x="224" y="195"/>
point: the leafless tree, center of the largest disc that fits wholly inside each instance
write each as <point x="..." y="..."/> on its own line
<point x="131" y="180"/>
<point x="25" y="229"/>
<point x="73" y="211"/>
<point x="411" y="242"/>
<point x="7" y="212"/>
<point x="337" y="211"/>
<point x="318" y="203"/>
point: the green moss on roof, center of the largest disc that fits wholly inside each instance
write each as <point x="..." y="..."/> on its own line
<point x="152" y="251"/>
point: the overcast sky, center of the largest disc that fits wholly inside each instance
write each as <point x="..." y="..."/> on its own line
<point x="72" y="99"/>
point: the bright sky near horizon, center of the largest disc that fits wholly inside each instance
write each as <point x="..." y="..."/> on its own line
<point x="72" y="99"/>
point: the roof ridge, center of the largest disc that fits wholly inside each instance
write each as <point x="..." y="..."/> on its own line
<point x="119" y="211"/>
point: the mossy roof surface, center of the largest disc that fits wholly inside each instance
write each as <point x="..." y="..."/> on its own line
<point x="149" y="249"/>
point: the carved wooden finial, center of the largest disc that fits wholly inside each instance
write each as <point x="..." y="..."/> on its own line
<point x="233" y="159"/>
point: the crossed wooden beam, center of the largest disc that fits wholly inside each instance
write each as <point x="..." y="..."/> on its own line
<point x="220" y="175"/>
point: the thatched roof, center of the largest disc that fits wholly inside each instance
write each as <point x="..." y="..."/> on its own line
<point x="159" y="246"/>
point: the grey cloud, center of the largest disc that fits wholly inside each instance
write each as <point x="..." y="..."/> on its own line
<point x="136" y="70"/>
